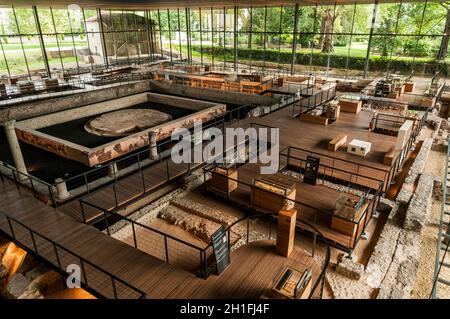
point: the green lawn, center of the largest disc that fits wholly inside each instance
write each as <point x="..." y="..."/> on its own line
<point x="29" y="46"/>
<point x="358" y="50"/>
<point x="19" y="67"/>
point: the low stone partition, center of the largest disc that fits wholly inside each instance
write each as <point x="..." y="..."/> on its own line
<point x="400" y="277"/>
<point x="201" y="227"/>
<point x="204" y="211"/>
<point x="416" y="169"/>
<point x="417" y="212"/>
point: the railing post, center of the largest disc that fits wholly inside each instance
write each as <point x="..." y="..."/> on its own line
<point x="32" y="186"/>
<point x="83" y="215"/>
<point x="34" y="242"/>
<point x="52" y="196"/>
<point x="134" y="235"/>
<point x="201" y="264"/>
<point x="167" y="250"/>
<point x="248" y="229"/>
<point x="167" y="169"/>
<point x="140" y="171"/>
<point x="84" y="272"/>
<point x="15" y="180"/>
<point x="11" y="228"/>
<point x="270" y="230"/>
<point x="106" y="222"/>
<point x="114" y="287"/>
<point x="205" y="258"/>
<point x="57" y="256"/>
<point x="314" y="236"/>
<point x="86" y="182"/>
<point x="323" y="283"/>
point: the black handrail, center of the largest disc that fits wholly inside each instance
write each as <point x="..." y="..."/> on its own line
<point x="332" y="168"/>
<point x="299" y="220"/>
<point x="83" y="261"/>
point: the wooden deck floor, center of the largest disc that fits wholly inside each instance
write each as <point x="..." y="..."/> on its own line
<point x="250" y="274"/>
<point x="315" y="137"/>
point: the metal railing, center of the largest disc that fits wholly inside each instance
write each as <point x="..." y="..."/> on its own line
<point x="311" y="100"/>
<point x="442" y="263"/>
<point x="197" y="259"/>
<point x="390" y="124"/>
<point x="326" y="172"/>
<point x="39" y="188"/>
<point x="308" y="214"/>
<point x="75" y="81"/>
<point x="370" y="194"/>
<point x="331" y="164"/>
<point x="141" y="158"/>
<point x="152" y="241"/>
<point x="95" y="279"/>
<point x="401" y="158"/>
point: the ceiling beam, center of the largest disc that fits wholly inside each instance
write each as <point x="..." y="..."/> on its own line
<point x="159" y="4"/>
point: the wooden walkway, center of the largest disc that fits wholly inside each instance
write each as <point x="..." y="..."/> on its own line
<point x="314" y="137"/>
<point x="250" y="274"/>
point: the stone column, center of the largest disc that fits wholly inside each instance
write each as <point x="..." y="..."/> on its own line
<point x="112" y="170"/>
<point x="14" y="147"/>
<point x="61" y="189"/>
<point x="153" y="146"/>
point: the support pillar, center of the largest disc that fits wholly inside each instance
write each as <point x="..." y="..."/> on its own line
<point x="102" y="37"/>
<point x="369" y="45"/>
<point x="61" y="189"/>
<point x="15" y="150"/>
<point x="41" y="42"/>
<point x="294" y="40"/>
<point x="286" y="232"/>
<point x="153" y="146"/>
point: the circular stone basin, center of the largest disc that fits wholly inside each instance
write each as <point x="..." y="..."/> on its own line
<point x="125" y="122"/>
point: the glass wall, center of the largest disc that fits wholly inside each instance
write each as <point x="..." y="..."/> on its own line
<point x="72" y="38"/>
<point x="345" y="41"/>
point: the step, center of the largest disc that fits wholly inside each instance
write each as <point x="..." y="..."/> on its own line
<point x="445" y="264"/>
<point x="443" y="281"/>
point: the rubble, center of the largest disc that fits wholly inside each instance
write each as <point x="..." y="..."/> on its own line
<point x="415" y="170"/>
<point x="385" y="205"/>
<point x="43" y="281"/>
<point x="31" y="294"/>
<point x="201" y="227"/>
<point x="440" y="137"/>
<point x="350" y="269"/>
<point x="203" y="211"/>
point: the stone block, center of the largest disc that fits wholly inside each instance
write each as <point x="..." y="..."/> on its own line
<point x="16" y="286"/>
<point x="42" y="282"/>
<point x="3" y="274"/>
<point x="385" y="205"/>
<point x="350" y="269"/>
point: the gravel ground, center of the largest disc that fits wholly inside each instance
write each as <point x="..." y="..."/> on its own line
<point x="424" y="280"/>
